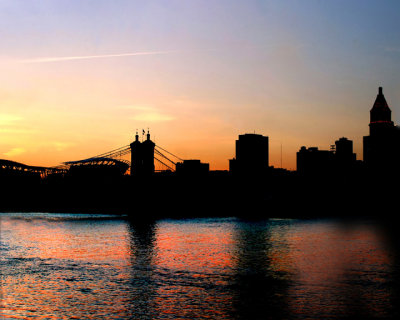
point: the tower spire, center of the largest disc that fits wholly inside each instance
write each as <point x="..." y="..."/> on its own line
<point x="380" y="112"/>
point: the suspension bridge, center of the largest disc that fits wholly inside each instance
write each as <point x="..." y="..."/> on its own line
<point x="117" y="158"/>
<point x="164" y="160"/>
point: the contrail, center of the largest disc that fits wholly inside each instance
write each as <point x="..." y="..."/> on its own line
<point x="59" y="59"/>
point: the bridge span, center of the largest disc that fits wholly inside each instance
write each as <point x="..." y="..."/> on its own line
<point x="8" y="167"/>
<point x="154" y="158"/>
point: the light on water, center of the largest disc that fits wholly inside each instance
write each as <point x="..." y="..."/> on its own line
<point x="80" y="266"/>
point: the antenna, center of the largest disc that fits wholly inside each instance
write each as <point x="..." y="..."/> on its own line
<point x="281" y="155"/>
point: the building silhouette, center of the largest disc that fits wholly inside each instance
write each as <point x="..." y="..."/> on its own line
<point x="142" y="156"/>
<point x="192" y="168"/>
<point x="252" y="155"/>
<point x="382" y="146"/>
<point x="345" y="158"/>
<point x="344" y="151"/>
<point x="339" y="160"/>
<point x="312" y="161"/>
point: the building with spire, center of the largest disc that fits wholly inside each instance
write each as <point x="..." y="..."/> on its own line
<point x="382" y="146"/>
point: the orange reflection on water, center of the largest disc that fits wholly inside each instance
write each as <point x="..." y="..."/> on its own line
<point x="62" y="240"/>
<point x="60" y="267"/>
<point x="199" y="262"/>
<point x="194" y="247"/>
<point x="211" y="268"/>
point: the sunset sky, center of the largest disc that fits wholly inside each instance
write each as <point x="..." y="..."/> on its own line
<point x="78" y="77"/>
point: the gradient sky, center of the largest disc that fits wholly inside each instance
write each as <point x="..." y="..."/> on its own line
<point x="79" y="77"/>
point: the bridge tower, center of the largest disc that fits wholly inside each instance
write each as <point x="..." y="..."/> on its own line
<point x="136" y="156"/>
<point x="142" y="156"/>
<point x="148" y="156"/>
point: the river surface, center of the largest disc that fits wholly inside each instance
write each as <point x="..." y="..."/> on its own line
<point x="82" y="266"/>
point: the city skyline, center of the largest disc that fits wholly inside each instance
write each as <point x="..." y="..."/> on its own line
<point x="79" y="79"/>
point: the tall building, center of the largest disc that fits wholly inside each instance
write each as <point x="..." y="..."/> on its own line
<point x="142" y="156"/>
<point x="344" y="157"/>
<point x="252" y="154"/>
<point x="382" y="146"/>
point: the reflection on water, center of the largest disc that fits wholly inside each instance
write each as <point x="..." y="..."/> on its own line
<point x="261" y="275"/>
<point x="97" y="266"/>
<point x="143" y="287"/>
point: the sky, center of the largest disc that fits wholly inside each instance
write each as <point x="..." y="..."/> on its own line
<point x="78" y="78"/>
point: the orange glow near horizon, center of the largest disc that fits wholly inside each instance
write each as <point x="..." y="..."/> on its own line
<point x="65" y="111"/>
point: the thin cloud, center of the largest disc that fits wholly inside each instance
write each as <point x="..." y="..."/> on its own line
<point x="144" y="113"/>
<point x="152" y="117"/>
<point x="61" y="146"/>
<point x="72" y="58"/>
<point x="129" y="54"/>
<point x="14" y="152"/>
<point x="137" y="107"/>
<point x="8" y="119"/>
<point x="17" y="130"/>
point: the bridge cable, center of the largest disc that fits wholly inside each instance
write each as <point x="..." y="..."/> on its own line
<point x="157" y="146"/>
<point x="159" y="153"/>
<point x="164" y="164"/>
<point x="109" y="153"/>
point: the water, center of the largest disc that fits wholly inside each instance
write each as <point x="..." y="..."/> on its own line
<point x="60" y="266"/>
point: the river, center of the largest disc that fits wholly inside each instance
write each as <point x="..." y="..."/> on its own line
<point x="93" y="266"/>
